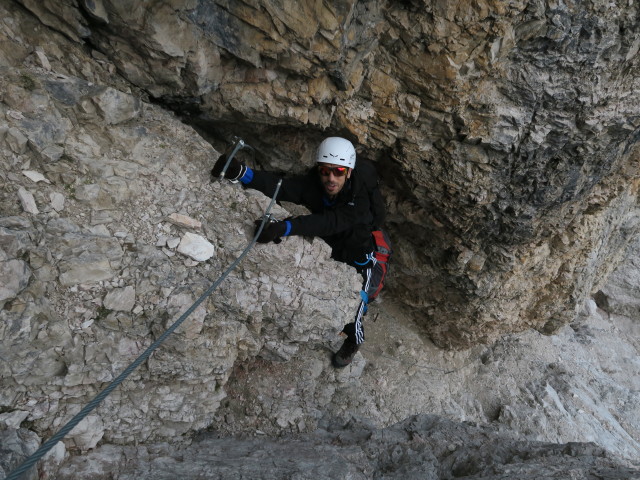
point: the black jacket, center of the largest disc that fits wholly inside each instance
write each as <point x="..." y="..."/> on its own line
<point x="346" y="222"/>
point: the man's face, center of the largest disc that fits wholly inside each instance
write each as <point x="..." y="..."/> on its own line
<point x="333" y="177"/>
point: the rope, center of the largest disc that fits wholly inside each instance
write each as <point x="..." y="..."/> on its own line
<point x="49" y="444"/>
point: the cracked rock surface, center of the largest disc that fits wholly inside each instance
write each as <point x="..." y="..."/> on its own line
<point x="420" y="447"/>
<point x="90" y="285"/>
<point x="505" y="131"/>
<point x="110" y="229"/>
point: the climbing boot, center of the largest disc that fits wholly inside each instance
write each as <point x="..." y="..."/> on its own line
<point x="344" y="356"/>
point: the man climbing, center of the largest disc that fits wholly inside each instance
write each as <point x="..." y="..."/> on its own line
<point x="347" y="211"/>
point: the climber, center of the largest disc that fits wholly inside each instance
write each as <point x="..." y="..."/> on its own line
<point x="347" y="211"/>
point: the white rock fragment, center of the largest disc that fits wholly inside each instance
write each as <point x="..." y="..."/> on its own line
<point x="42" y="58"/>
<point x="27" y="201"/>
<point x="116" y="106"/>
<point x="86" y="271"/>
<point x="591" y="308"/>
<point x="184" y="221"/>
<point x="120" y="299"/>
<point x="196" y="247"/>
<point x="87" y="323"/>
<point x="166" y="292"/>
<point x="16" y="140"/>
<point x="57" y="201"/>
<point x="173" y="242"/>
<point x="99" y="230"/>
<point x="13" y="419"/>
<point x="56" y="455"/>
<point x="179" y="303"/>
<point x="88" y="432"/>
<point x="162" y="241"/>
<point x="35" y="176"/>
<point x="15" y="114"/>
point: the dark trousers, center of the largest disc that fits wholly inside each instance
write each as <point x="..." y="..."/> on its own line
<point x="373" y="274"/>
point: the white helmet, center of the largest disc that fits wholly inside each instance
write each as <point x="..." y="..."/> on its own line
<point x="338" y="151"/>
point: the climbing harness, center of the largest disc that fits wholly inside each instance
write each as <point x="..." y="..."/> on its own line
<point x="382" y="254"/>
<point x="49" y="444"/>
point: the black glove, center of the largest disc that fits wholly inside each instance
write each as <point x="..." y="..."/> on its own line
<point x="234" y="172"/>
<point x="271" y="232"/>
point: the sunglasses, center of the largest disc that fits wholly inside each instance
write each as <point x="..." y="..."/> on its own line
<point x="337" y="171"/>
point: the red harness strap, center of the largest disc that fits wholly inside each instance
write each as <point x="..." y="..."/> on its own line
<point x="383" y="249"/>
<point x="382" y="254"/>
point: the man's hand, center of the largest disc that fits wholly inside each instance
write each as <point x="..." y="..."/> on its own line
<point x="271" y="232"/>
<point x="234" y="172"/>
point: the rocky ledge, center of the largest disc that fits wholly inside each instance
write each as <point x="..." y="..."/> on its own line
<point x="422" y="447"/>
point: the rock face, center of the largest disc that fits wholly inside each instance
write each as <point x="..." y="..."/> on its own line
<point x="506" y="209"/>
<point x="87" y="286"/>
<point x="505" y="132"/>
<point x="578" y="385"/>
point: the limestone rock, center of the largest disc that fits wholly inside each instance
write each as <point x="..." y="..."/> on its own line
<point x="42" y="58"/>
<point x="14" y="239"/>
<point x="89" y="269"/>
<point x="14" y="277"/>
<point x="620" y="295"/>
<point x="86" y="258"/>
<point x="35" y="176"/>
<point x="117" y="107"/>
<point x="27" y="201"/>
<point x="120" y="299"/>
<point x="505" y="136"/>
<point x="184" y="221"/>
<point x="17" y="445"/>
<point x="88" y="432"/>
<point x="16" y="140"/>
<point x="73" y="328"/>
<point x="506" y="153"/>
<point x="196" y="247"/>
<point x="57" y="201"/>
<point x="420" y="447"/>
<point x="173" y="242"/>
<point x="12" y="420"/>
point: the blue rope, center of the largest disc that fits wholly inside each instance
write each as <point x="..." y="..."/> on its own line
<point x="49" y="444"/>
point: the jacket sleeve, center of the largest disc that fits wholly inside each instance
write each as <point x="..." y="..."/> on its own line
<point x="326" y="223"/>
<point x="291" y="190"/>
